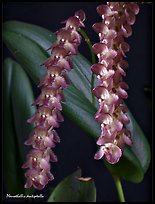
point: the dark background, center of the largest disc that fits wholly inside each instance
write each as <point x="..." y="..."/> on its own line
<point x="76" y="147"/>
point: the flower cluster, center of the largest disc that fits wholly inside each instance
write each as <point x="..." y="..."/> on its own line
<point x="117" y="18"/>
<point x="48" y="115"/>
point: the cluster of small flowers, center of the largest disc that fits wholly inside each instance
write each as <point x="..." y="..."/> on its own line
<point x="117" y="18"/>
<point x="48" y="115"/>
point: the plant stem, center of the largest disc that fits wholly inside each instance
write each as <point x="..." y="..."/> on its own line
<point x="119" y="188"/>
<point x="87" y="40"/>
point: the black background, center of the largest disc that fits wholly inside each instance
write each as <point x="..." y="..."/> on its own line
<point x="76" y="147"/>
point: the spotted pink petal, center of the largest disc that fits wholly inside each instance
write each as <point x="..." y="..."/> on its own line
<point x="59" y="51"/>
<point x="52" y="122"/>
<point x="38" y="185"/>
<point x="104" y="32"/>
<point x="80" y="14"/>
<point x="28" y="184"/>
<point x="106" y="108"/>
<point x="54" y="136"/>
<point x="104" y="118"/>
<point x="50" y="176"/>
<point x="59" y="116"/>
<point x="99" y="48"/>
<point x="101" y="92"/>
<point x="63" y="34"/>
<point x="65" y="63"/>
<point x="56" y="103"/>
<point x="104" y="10"/>
<point x="117" y="126"/>
<point x="130" y="17"/>
<point x="124" y="137"/>
<point x="110" y="35"/>
<point x="97" y="68"/>
<point x="122" y="93"/>
<point x="44" y="164"/>
<point x="125" y="47"/>
<point x="100" y="28"/>
<point x="53" y="157"/>
<point x="113" y="5"/>
<point x="55" y="70"/>
<point x="134" y="7"/>
<point x="71" y="48"/>
<point x="117" y="78"/>
<point x="48" y="142"/>
<point x="112" y="153"/>
<point x="100" y="153"/>
<point x="100" y="141"/>
<point x="127" y="140"/>
<point x="76" y="38"/>
<point x="124" y="118"/>
<point x="123" y="64"/>
<point x="126" y="30"/>
<point x="113" y="98"/>
<point x="73" y="23"/>
<point x="60" y="82"/>
<point x="31" y="173"/>
<point x="38" y="144"/>
<point x="43" y="179"/>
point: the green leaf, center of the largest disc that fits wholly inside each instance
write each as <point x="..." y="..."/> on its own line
<point x="29" y="31"/>
<point x="80" y="75"/>
<point x="74" y="189"/>
<point x="29" y="52"/>
<point x="17" y="97"/>
<point x="21" y="98"/>
<point x="10" y="152"/>
<point x="140" y="145"/>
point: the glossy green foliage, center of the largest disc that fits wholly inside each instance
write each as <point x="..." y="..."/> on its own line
<point x="28" y="43"/>
<point x="74" y="189"/>
<point x="17" y="97"/>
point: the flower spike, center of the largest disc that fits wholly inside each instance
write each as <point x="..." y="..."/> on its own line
<point x="117" y="18"/>
<point x="48" y="115"/>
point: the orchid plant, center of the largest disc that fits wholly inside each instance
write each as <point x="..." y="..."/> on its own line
<point x="97" y="104"/>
